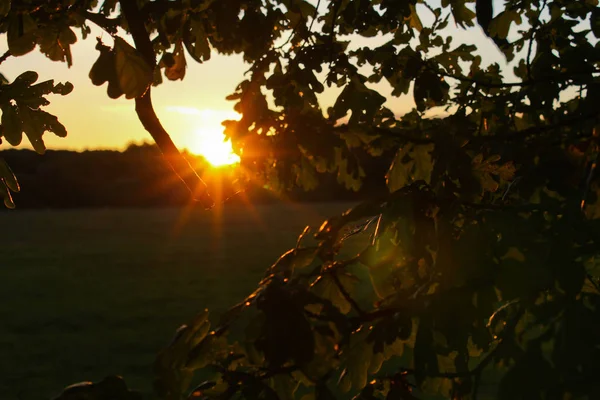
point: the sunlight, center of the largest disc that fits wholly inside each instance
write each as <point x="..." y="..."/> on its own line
<point x="207" y="138"/>
<point x="209" y="142"/>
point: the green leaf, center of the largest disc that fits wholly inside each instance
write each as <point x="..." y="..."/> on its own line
<point x="328" y="289"/>
<point x="359" y="357"/>
<point x="293" y="259"/>
<point x="306" y="175"/>
<point x="134" y="74"/>
<point x="411" y="163"/>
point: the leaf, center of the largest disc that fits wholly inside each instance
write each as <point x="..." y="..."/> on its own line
<point x="286" y="335"/>
<point x="411" y="163"/>
<point x="196" y="42"/>
<point x="134" y="74"/>
<point x="595" y="22"/>
<point x="485" y="12"/>
<point x="11" y="124"/>
<point x="423" y="162"/>
<point x="26" y="78"/>
<point x="33" y="129"/>
<point x="398" y="175"/>
<point x="500" y="26"/>
<point x="9" y="178"/>
<point x="415" y="21"/>
<point x="176" y="70"/>
<point x="430" y="90"/>
<point x="104" y="68"/>
<point x="529" y="378"/>
<point x="4" y="7"/>
<point x="285" y="386"/>
<point x="358" y="360"/>
<point x="55" y="42"/>
<point x="50" y="122"/>
<point x="293" y="259"/>
<point x="306" y="175"/>
<point x="463" y="16"/>
<point x="63" y="88"/>
<point x="327" y="288"/>
<point x="21" y="34"/>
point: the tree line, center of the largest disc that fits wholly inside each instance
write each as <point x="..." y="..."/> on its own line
<point x="140" y="177"/>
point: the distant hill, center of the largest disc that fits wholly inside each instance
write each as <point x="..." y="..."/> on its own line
<point x="139" y="177"/>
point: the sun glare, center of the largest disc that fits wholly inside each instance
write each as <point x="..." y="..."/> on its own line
<point x="210" y="143"/>
<point x="207" y="139"/>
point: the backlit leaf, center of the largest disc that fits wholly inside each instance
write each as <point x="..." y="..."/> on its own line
<point x="177" y="69"/>
<point x="133" y="72"/>
<point x="9" y="178"/>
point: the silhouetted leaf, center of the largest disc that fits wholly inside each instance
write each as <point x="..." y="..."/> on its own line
<point x="21" y="34"/>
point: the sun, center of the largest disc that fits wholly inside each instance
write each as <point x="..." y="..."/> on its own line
<point x="206" y="137"/>
<point x="210" y="143"/>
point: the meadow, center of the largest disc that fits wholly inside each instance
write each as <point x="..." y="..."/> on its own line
<point x="88" y="293"/>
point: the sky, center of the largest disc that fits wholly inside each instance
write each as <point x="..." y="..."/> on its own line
<point x="191" y="110"/>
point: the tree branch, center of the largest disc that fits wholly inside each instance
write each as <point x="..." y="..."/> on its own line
<point x="501" y="85"/>
<point x="345" y="293"/>
<point x="536" y="130"/>
<point x="148" y="117"/>
<point x="5" y="56"/>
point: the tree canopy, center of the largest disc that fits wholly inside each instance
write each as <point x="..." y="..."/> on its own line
<point x="481" y="263"/>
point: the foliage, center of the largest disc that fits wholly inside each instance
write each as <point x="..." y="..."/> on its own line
<point x="482" y="258"/>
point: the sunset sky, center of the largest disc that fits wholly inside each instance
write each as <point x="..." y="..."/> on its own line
<point x="191" y="110"/>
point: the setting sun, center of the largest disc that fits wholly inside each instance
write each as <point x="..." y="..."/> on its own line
<point x="210" y="143"/>
<point x="203" y="134"/>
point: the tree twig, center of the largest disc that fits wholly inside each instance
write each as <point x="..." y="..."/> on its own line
<point x="4" y="56"/>
<point x="148" y="117"/>
<point x="534" y="30"/>
<point x="345" y="293"/>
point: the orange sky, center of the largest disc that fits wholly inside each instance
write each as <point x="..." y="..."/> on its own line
<point x="188" y="109"/>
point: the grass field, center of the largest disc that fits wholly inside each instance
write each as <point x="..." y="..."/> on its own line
<point x="88" y="293"/>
